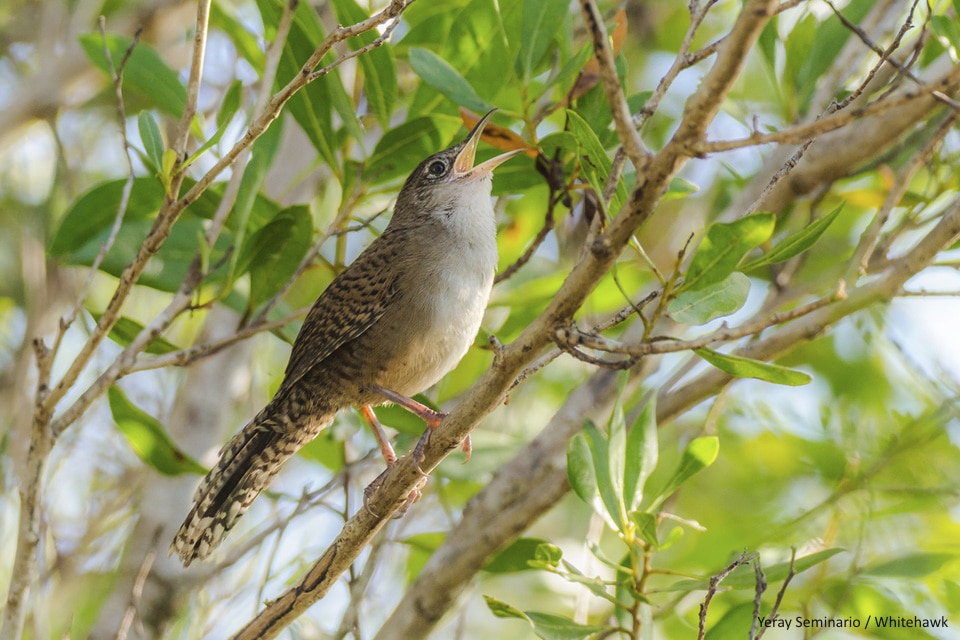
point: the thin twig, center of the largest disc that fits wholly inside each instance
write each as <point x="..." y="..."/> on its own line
<point x="570" y="337"/>
<point x="548" y="224"/>
<point x="783" y="589"/>
<point x="116" y="73"/>
<point x="136" y="596"/>
<point x="803" y="132"/>
<point x="715" y="581"/>
<point x="627" y="133"/>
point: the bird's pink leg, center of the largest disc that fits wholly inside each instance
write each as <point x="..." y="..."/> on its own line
<point x="390" y="458"/>
<point x="385" y="449"/>
<point x="425" y="413"/>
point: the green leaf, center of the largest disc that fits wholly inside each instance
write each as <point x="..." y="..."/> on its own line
<point x="548" y="554"/>
<point x="405" y="146"/>
<point x="680" y="188"/>
<point x="145" y="76"/>
<point x="912" y="565"/>
<point x="748" y="368"/>
<point x="328" y="449"/>
<point x="540" y="21"/>
<point x="796" y="243"/>
<point x="92" y="214"/>
<point x="152" y="141"/>
<point x="274" y="252"/>
<point x="437" y="73"/>
<point x="594" y="159"/>
<point x="712" y="301"/>
<point x="698" y="455"/>
<point x="87" y="224"/>
<point x="580" y="472"/>
<point x="646" y="524"/>
<point x="126" y="329"/>
<point x="617" y="448"/>
<point x="246" y="43"/>
<point x="517" y="556"/>
<point x="148" y="439"/>
<point x="609" y="495"/>
<point x="723" y="247"/>
<point x="230" y="104"/>
<point x="311" y="107"/>
<point x="743" y="577"/>
<point x="544" y="625"/>
<point x="378" y="64"/>
<point x="642" y="452"/>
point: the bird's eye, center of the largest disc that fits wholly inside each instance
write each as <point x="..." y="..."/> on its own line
<point x="436" y="169"/>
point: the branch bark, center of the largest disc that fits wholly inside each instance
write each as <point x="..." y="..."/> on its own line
<point x="490" y="390"/>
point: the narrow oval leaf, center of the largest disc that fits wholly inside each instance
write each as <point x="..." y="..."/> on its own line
<point x="230" y="103"/>
<point x="92" y="214"/>
<point x="148" y="439"/>
<point x="748" y="368"/>
<point x="151" y="138"/>
<point x="126" y="329"/>
<point x="516" y="557"/>
<point x="580" y="472"/>
<point x="698" y="455"/>
<point x="145" y="76"/>
<point x="594" y="160"/>
<point x="437" y="73"/>
<point x="642" y="452"/>
<point x="912" y="565"/>
<point x="378" y="64"/>
<point x="724" y="246"/>
<point x="544" y="625"/>
<point x="403" y="147"/>
<point x="274" y="252"/>
<point x="312" y="105"/>
<point x="715" y="300"/>
<point x="609" y="495"/>
<point x="796" y="243"/>
<point x="540" y="20"/>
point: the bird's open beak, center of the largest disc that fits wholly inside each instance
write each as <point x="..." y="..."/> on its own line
<point x="463" y="165"/>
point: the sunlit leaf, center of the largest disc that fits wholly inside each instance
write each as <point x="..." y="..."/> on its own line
<point x="641" y="455"/>
<point x="152" y="141"/>
<point x="148" y="439"/>
<point x="145" y="75"/>
<point x="796" y="243"/>
<point x="748" y="368"/>
<point x="716" y="300"/>
<point x="545" y="625"/>
<point x="438" y="73"/>
<point x="698" y="455"/>
<point x="516" y="557"/>
<point x="912" y="565"/>
<point x="378" y="64"/>
<point x="125" y="330"/>
<point x="541" y="19"/>
<point x="724" y="245"/>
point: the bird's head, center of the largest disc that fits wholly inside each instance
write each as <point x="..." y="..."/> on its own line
<point x="448" y="181"/>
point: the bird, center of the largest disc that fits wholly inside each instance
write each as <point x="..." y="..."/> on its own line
<point x="389" y="326"/>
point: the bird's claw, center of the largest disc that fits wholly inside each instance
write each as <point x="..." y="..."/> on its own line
<point x="412" y="497"/>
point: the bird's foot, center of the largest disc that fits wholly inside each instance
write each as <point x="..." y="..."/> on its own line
<point x="412" y="497"/>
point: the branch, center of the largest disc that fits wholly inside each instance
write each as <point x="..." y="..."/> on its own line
<point x="626" y="131"/>
<point x="168" y="215"/>
<point x="922" y="99"/>
<point x="398" y="481"/>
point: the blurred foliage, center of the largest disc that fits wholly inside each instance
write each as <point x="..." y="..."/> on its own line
<point x="852" y="462"/>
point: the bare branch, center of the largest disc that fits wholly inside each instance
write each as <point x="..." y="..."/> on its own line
<point x="627" y="133"/>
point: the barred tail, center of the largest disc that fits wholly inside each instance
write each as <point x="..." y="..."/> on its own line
<point x="247" y="464"/>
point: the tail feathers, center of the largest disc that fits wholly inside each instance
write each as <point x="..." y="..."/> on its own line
<point x="247" y="464"/>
